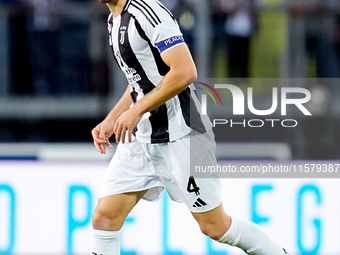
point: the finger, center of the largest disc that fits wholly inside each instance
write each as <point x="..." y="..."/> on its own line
<point x="123" y="133"/>
<point x="100" y="145"/>
<point x="103" y="150"/>
<point x="102" y="135"/>
<point x="130" y="136"/>
<point x="103" y="140"/>
<point x="118" y="134"/>
<point x="99" y="140"/>
<point x="95" y="133"/>
<point x="97" y="145"/>
<point x="115" y="127"/>
<point x="97" y="136"/>
<point x="108" y="143"/>
<point x="96" y="140"/>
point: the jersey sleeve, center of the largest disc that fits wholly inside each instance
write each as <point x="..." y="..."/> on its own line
<point x="158" y="23"/>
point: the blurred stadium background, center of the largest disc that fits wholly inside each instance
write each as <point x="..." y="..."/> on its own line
<point x="58" y="80"/>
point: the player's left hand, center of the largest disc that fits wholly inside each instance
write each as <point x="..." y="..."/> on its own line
<point x="127" y="121"/>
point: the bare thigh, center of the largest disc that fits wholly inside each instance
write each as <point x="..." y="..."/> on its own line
<point x="112" y="211"/>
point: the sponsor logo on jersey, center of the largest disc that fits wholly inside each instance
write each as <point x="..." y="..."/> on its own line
<point x="131" y="74"/>
<point x="134" y="78"/>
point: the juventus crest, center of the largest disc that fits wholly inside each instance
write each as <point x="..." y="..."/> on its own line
<point x="122" y="31"/>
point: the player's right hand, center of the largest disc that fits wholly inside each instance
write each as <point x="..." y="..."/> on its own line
<point x="101" y="134"/>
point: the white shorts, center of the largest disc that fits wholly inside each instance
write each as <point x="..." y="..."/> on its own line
<point x="139" y="166"/>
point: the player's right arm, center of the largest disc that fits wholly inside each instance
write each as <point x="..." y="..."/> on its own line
<point x="104" y="130"/>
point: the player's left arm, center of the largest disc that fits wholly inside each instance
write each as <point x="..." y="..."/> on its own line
<point x="182" y="73"/>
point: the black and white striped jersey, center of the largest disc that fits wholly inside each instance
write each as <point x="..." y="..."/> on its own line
<point x="138" y="36"/>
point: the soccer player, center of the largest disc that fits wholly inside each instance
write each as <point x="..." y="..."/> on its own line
<point x="154" y="126"/>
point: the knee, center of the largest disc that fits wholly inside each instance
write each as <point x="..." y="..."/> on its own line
<point x="214" y="226"/>
<point x="212" y="230"/>
<point x="106" y="220"/>
<point x="97" y="218"/>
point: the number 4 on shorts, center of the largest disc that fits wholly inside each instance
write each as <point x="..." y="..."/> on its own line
<point x="192" y="186"/>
